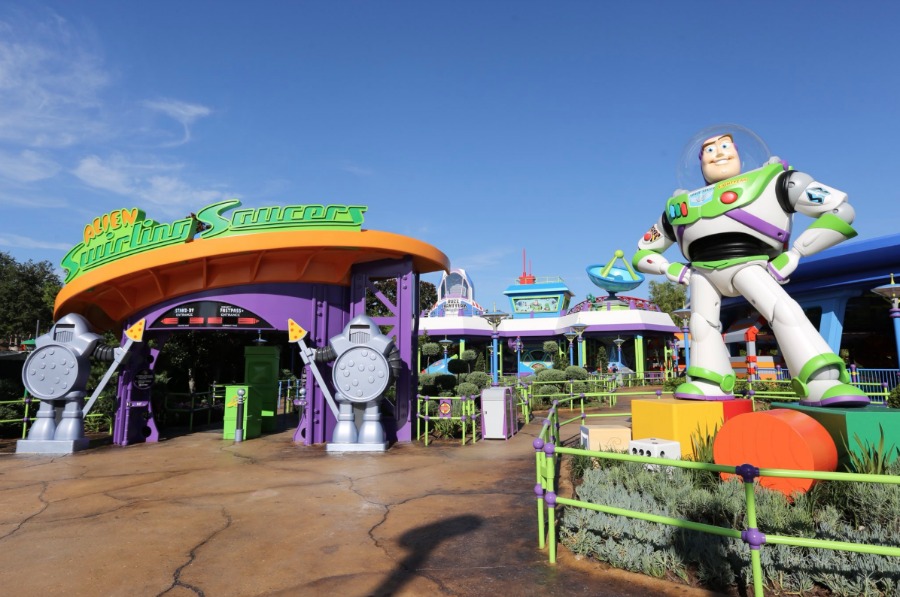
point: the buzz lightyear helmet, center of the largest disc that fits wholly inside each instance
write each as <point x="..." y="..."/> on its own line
<point x="753" y="151"/>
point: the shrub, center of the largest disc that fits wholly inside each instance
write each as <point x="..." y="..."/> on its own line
<point x="552" y="375"/>
<point x="852" y="512"/>
<point x="427" y="385"/>
<point x="576" y="372"/>
<point x="446" y="383"/>
<point x="457" y="366"/>
<point x="13" y="391"/>
<point x="467" y="388"/>
<point x="430" y="350"/>
<point x="480" y="379"/>
<point x="670" y="384"/>
<point x="893" y="400"/>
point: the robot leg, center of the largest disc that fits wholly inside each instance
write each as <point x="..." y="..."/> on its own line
<point x="710" y="376"/>
<point x="345" y="430"/>
<point x="819" y="376"/>
<point x="44" y="426"/>
<point x="371" y="431"/>
<point x="71" y="426"/>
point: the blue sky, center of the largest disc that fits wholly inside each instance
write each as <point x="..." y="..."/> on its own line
<point x="481" y="127"/>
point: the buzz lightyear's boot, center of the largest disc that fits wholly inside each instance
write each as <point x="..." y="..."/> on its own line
<point x="704" y="384"/>
<point x="824" y="381"/>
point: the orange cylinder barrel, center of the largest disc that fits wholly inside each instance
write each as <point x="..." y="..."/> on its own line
<point x="780" y="438"/>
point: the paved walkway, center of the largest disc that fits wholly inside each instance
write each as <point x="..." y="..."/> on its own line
<point x="196" y="515"/>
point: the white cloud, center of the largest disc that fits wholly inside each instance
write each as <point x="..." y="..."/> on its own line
<point x="95" y="173"/>
<point x="23" y="242"/>
<point x="151" y="182"/>
<point x="166" y="190"/>
<point x="53" y="110"/>
<point x="51" y="77"/>
<point x="186" y="114"/>
<point x="27" y="166"/>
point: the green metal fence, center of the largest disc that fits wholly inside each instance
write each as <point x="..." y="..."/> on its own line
<point x="548" y="452"/>
<point x="432" y="411"/>
<point x="92" y="422"/>
<point x="877" y="392"/>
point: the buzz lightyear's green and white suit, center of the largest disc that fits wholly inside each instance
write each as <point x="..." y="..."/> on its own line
<point x="735" y="234"/>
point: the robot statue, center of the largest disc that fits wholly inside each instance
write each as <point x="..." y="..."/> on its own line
<point x="57" y="373"/>
<point x="365" y="364"/>
<point x="735" y="233"/>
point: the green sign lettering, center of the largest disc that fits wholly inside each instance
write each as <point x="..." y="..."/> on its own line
<point x="125" y="232"/>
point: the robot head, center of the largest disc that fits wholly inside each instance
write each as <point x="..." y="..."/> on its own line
<point x="753" y="154"/>
<point x="60" y="363"/>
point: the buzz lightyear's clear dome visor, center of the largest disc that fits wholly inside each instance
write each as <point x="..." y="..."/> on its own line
<point x="752" y="149"/>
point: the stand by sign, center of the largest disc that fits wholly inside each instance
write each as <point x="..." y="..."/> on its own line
<point x="210" y="314"/>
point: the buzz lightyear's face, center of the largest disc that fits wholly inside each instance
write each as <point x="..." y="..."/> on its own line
<point x="719" y="159"/>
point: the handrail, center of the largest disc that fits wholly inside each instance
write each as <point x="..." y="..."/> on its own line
<point x="25" y="419"/>
<point x="547" y="452"/>
<point x="469" y="414"/>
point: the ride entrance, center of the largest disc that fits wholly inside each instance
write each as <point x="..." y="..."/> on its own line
<point x="234" y="269"/>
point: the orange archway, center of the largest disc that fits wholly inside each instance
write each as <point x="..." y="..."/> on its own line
<point x="108" y="295"/>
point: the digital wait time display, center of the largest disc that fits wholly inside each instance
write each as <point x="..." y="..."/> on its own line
<point x="210" y="314"/>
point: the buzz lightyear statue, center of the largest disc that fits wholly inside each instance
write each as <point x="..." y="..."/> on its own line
<point x="735" y="233"/>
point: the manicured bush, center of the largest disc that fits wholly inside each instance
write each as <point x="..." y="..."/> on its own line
<point x="576" y="372"/>
<point x="467" y="388"/>
<point x="480" y="379"/>
<point x="457" y="366"/>
<point x="552" y="375"/>
<point x="446" y="383"/>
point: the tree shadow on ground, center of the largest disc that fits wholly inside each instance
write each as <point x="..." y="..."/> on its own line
<point x="421" y="542"/>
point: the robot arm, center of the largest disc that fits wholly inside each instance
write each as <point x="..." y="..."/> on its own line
<point x="799" y="192"/>
<point x="649" y="258"/>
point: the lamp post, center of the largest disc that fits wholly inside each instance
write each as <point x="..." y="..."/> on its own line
<point x="891" y="292"/>
<point x="494" y="318"/>
<point x="570" y="336"/>
<point x="579" y="328"/>
<point x="618" y="342"/>
<point x="685" y="315"/>
<point x="446" y="344"/>
<point x="518" y="357"/>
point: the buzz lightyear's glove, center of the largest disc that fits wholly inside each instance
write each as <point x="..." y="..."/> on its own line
<point x="784" y="265"/>
<point x="679" y="273"/>
<point x="649" y="261"/>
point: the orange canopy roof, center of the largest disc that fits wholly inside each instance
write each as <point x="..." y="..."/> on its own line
<point x="106" y="296"/>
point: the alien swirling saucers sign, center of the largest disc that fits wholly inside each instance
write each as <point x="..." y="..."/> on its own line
<point x="126" y="232"/>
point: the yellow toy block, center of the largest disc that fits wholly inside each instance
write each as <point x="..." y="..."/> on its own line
<point x="677" y="420"/>
<point x="605" y="438"/>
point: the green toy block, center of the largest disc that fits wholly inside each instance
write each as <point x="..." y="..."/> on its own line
<point x="844" y="425"/>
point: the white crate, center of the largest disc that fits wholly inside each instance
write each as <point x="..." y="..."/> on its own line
<point x="655" y="448"/>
